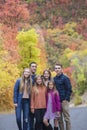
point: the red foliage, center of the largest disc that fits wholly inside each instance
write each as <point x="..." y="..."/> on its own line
<point x="82" y="28"/>
<point x="68" y="70"/>
<point x="73" y="46"/>
<point x="13" y="16"/>
<point x="32" y="7"/>
<point x="13" y="12"/>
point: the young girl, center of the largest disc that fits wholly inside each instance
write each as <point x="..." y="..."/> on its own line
<point x="38" y="102"/>
<point x="46" y="77"/>
<point x="22" y="90"/>
<point x="53" y="106"/>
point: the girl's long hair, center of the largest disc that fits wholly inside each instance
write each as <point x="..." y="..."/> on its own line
<point x="54" y="87"/>
<point x="36" y="84"/>
<point x="28" y="84"/>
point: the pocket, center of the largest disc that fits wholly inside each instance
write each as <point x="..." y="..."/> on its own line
<point x="65" y="105"/>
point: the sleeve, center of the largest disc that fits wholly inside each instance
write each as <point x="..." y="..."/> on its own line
<point x="32" y="99"/>
<point x="68" y="88"/>
<point x="16" y="91"/>
<point x="58" y="104"/>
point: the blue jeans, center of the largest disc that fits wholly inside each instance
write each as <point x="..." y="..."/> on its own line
<point x="25" y="106"/>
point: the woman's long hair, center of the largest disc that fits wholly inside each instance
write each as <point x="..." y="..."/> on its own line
<point x="28" y="84"/>
<point x="48" y="73"/>
<point x="49" y="78"/>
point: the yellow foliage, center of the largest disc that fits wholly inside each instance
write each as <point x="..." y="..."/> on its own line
<point x="8" y="74"/>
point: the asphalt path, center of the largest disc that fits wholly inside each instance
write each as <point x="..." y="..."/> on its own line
<point x="78" y="119"/>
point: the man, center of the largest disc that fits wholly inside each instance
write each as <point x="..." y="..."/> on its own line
<point x="33" y="68"/>
<point x="64" y="88"/>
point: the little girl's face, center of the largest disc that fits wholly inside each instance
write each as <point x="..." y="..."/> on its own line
<point x="39" y="81"/>
<point x="50" y="85"/>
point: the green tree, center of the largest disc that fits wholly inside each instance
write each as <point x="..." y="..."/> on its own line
<point x="28" y="41"/>
<point x="79" y="73"/>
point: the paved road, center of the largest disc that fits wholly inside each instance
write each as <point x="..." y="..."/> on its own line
<point x="78" y="119"/>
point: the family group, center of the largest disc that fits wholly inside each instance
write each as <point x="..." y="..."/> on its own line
<point x="41" y="98"/>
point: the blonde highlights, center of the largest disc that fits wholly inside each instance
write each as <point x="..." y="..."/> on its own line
<point x="25" y="82"/>
<point x="36" y="85"/>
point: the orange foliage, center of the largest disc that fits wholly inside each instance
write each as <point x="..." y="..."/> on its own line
<point x="6" y="98"/>
<point x="13" y="12"/>
<point x="13" y="16"/>
<point x="73" y="46"/>
<point x="68" y="71"/>
<point x="41" y="45"/>
<point x="82" y="28"/>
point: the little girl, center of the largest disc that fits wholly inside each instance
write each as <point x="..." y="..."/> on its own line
<point x="53" y="106"/>
<point x="38" y="102"/>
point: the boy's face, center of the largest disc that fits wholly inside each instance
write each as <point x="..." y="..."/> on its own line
<point x="33" y="68"/>
<point x="58" y="69"/>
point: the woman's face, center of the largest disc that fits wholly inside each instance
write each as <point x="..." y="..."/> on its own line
<point x="39" y="81"/>
<point x="46" y="75"/>
<point x="51" y="85"/>
<point x="26" y="73"/>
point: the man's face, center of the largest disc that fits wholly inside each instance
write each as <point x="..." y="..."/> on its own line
<point x="33" y="68"/>
<point x="58" y="69"/>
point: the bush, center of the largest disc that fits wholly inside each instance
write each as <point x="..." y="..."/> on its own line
<point x="6" y="99"/>
<point x="77" y="100"/>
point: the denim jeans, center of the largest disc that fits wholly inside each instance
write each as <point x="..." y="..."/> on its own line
<point x="25" y="106"/>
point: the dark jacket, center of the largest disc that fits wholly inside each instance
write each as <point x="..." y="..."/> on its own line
<point x="63" y="86"/>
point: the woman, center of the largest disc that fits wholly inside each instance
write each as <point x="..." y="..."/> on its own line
<point x="22" y="90"/>
<point x="46" y="77"/>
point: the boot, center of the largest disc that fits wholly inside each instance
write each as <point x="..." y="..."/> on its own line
<point x="49" y="127"/>
<point x="56" y="128"/>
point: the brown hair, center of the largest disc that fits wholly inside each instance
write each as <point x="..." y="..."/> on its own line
<point x="32" y="63"/>
<point x="59" y="64"/>
<point x="48" y="72"/>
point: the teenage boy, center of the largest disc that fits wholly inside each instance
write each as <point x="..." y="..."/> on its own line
<point x="64" y="88"/>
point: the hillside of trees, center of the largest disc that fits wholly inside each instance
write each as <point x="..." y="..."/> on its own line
<point x="45" y="31"/>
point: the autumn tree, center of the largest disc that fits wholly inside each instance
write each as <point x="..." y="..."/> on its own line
<point x="13" y="16"/>
<point x="28" y="47"/>
<point x="8" y="74"/>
